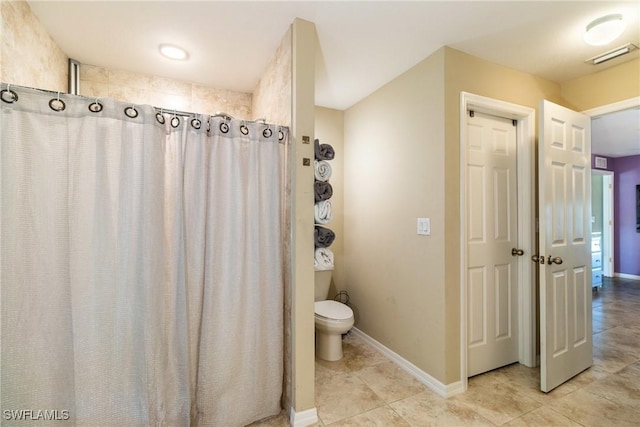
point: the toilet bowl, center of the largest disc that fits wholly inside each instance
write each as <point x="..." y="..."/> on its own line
<point x="332" y="319"/>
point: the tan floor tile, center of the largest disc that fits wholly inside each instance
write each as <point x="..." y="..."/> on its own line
<point x="359" y="354"/>
<point x="542" y="417"/>
<point x="327" y="369"/>
<point x="623" y="338"/>
<point x="343" y="396"/>
<point x="611" y="359"/>
<point x="528" y="384"/>
<point x="356" y="355"/>
<point x="429" y="409"/>
<point x="590" y="409"/>
<point x="631" y="372"/>
<point x="488" y="378"/>
<point x="588" y="376"/>
<point x="379" y="417"/>
<point x="625" y="390"/>
<point x="390" y="382"/>
<point x="500" y="402"/>
<point x="277" y="421"/>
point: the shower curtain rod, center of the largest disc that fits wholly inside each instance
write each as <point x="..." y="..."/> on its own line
<point x="160" y="109"/>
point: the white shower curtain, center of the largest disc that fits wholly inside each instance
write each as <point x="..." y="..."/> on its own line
<point x="141" y="266"/>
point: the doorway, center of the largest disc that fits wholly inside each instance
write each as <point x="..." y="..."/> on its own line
<point x="602" y="224"/>
<point x="524" y="118"/>
<point x="623" y="144"/>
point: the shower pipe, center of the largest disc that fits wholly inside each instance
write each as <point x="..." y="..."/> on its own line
<point x="56" y="104"/>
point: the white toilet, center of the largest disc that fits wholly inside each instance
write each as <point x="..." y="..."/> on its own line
<point x="332" y="319"/>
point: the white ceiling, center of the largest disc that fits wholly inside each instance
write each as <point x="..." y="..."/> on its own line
<point x="616" y="134"/>
<point x="362" y="44"/>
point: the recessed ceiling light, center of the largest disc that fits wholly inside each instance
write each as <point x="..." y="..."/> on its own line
<point x="604" y="30"/>
<point x="173" y="52"/>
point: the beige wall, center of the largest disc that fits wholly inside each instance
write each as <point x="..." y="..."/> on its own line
<point x="28" y="55"/>
<point x="272" y="95"/>
<point x="394" y="173"/>
<point x="162" y="92"/>
<point x="303" y="47"/>
<point x="329" y="129"/>
<point x="602" y="88"/>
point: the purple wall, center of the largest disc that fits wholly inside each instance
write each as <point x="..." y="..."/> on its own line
<point x="627" y="240"/>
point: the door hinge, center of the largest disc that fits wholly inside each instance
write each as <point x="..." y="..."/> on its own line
<point x="514" y="122"/>
<point x="471" y="113"/>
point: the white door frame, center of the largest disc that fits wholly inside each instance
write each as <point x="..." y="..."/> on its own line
<point x="613" y="107"/>
<point x="625" y="104"/>
<point x="607" y="220"/>
<point x="525" y="117"/>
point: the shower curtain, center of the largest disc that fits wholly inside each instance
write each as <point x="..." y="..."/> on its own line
<point x="141" y="265"/>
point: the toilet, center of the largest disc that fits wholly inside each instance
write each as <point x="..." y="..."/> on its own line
<point x="332" y="319"/>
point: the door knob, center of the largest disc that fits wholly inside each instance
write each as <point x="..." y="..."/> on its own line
<point x="537" y="259"/>
<point x="556" y="260"/>
<point x="517" y="252"/>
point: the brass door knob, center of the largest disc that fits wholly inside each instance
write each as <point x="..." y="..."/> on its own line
<point x="537" y="259"/>
<point x="555" y="260"/>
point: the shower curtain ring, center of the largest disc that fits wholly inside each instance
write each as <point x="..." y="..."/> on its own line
<point x="243" y="128"/>
<point x="96" y="106"/>
<point x="267" y="132"/>
<point x="57" y="104"/>
<point x="160" y="117"/>
<point x="196" y="123"/>
<point x="131" y="112"/>
<point x="175" y="121"/>
<point x="11" y="95"/>
<point x="224" y="126"/>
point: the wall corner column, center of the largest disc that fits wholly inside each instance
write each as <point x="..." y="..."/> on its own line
<point x="302" y="411"/>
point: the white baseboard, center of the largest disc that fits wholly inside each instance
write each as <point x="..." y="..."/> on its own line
<point x="626" y="276"/>
<point x="303" y="418"/>
<point x="444" y="390"/>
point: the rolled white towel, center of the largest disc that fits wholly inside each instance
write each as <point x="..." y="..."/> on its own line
<point x="323" y="212"/>
<point x="322" y="170"/>
<point x="323" y="259"/>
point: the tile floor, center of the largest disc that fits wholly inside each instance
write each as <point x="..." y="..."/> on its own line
<point x="366" y="389"/>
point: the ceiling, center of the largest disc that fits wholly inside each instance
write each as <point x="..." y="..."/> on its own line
<point x="362" y="44"/>
<point x="616" y="134"/>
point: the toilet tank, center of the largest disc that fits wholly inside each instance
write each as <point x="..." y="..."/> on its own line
<point x="322" y="283"/>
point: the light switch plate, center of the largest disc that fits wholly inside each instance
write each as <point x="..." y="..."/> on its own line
<point x="424" y="226"/>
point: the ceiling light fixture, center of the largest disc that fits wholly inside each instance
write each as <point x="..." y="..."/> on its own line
<point x="173" y="52"/>
<point x="614" y="53"/>
<point x="604" y="30"/>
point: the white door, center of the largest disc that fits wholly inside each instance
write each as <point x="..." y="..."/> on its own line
<point x="564" y="179"/>
<point x="492" y="302"/>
